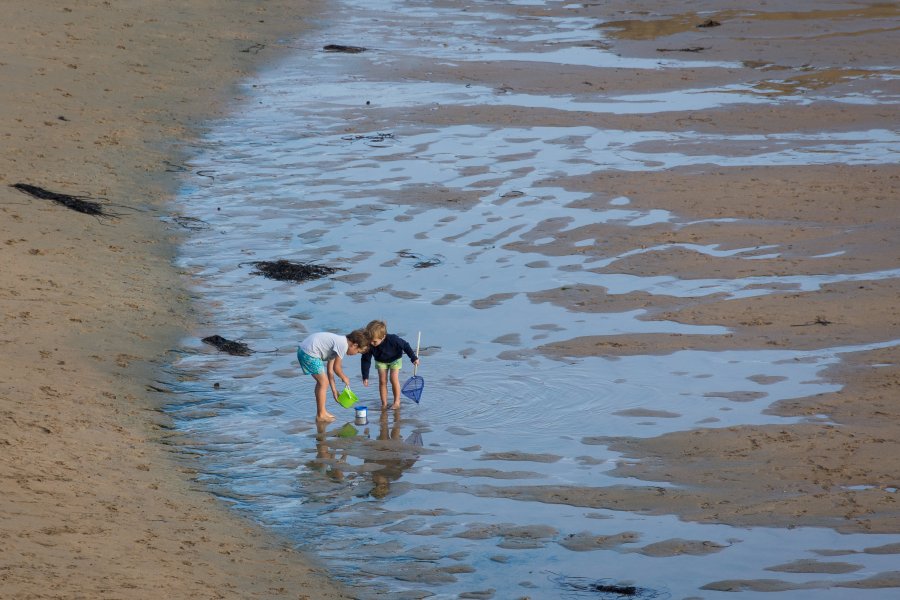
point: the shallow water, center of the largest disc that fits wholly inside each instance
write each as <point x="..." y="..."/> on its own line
<point x="436" y="500"/>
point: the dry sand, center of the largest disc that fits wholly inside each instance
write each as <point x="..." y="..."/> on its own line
<point x="94" y="94"/>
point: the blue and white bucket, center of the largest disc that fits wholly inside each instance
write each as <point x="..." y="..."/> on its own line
<point x="361" y="415"/>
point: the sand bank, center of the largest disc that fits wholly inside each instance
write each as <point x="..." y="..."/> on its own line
<point x="95" y="95"/>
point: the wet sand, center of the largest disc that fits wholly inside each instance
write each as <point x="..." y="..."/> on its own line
<point x="810" y="221"/>
<point x="823" y="72"/>
<point x="827" y="232"/>
<point x="96" y="97"/>
<point x="93" y="505"/>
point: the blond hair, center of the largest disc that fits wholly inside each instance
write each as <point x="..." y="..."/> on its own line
<point x="376" y="330"/>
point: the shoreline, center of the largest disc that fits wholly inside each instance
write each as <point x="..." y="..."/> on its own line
<point x="94" y="505"/>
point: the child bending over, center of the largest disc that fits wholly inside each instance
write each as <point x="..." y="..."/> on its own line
<point x="387" y="349"/>
<point x="321" y="354"/>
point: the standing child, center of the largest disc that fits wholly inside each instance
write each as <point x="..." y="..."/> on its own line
<point x="322" y="353"/>
<point x="387" y="349"/>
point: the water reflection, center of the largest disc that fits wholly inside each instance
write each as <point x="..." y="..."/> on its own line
<point x="327" y="462"/>
<point x="396" y="458"/>
<point x="358" y="465"/>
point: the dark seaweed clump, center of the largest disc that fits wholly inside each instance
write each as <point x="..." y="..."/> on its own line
<point x="285" y="270"/>
<point x="231" y="347"/>
<point x="423" y="263"/>
<point x="690" y="49"/>
<point x="76" y="203"/>
<point x="343" y="48"/>
<point x="604" y="589"/>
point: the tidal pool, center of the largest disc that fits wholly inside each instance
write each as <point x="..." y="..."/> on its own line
<point x="479" y="490"/>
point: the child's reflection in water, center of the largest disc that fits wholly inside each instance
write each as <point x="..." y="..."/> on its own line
<point x="394" y="455"/>
<point x="392" y="468"/>
<point x="325" y="461"/>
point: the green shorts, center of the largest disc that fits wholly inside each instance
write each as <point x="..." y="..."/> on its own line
<point x="393" y="365"/>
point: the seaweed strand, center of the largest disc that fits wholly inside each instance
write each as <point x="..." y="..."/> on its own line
<point x="76" y="203"/>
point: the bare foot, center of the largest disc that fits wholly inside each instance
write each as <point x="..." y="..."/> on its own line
<point x="395" y="405"/>
<point x="325" y="418"/>
<point x="384" y="406"/>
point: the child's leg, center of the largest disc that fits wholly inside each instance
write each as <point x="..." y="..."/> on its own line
<point x="322" y="413"/>
<point x="395" y="385"/>
<point x="382" y="386"/>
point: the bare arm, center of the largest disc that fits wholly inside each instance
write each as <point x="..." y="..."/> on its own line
<point x="339" y="371"/>
<point x="330" y="369"/>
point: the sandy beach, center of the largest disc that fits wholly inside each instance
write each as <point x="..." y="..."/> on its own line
<point x="97" y="98"/>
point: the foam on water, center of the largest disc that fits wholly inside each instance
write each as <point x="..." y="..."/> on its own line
<point x="428" y="502"/>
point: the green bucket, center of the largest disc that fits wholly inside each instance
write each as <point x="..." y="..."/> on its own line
<point x="347" y="398"/>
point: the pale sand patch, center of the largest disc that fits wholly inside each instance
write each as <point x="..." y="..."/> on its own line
<point x="643" y="412"/>
<point x="677" y="547"/>
<point x="887" y="579"/>
<point x="586" y="540"/>
<point x="94" y="95"/>
<point x="815" y="566"/>
<point x="491" y="473"/>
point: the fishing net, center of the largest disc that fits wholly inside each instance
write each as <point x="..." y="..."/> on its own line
<point x="413" y="387"/>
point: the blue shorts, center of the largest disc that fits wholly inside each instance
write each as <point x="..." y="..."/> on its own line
<point x="310" y="364"/>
